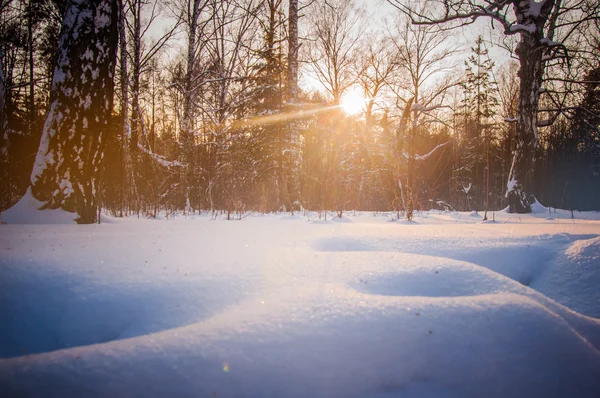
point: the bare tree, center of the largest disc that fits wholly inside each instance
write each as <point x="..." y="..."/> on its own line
<point x="124" y="105"/>
<point x="335" y="32"/>
<point x="222" y="75"/>
<point x="544" y="28"/>
<point x="141" y="54"/>
<point x="193" y="10"/>
<point x="423" y="57"/>
<point x="375" y="65"/>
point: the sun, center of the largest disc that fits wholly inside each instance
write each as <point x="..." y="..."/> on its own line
<point x="353" y="103"/>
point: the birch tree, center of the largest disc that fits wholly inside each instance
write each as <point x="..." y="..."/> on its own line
<point x="292" y="50"/>
<point x="193" y="11"/>
<point x="142" y="17"/>
<point x="422" y="54"/>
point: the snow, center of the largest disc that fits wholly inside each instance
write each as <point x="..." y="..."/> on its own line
<point x="537" y="207"/>
<point x="158" y="158"/>
<point x="510" y="185"/>
<point x="529" y="28"/>
<point x="26" y="211"/>
<point x="549" y="43"/>
<point x="281" y="306"/>
<point x="423" y="157"/>
<point x="45" y="156"/>
<point x="535" y="8"/>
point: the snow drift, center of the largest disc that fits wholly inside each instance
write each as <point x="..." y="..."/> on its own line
<point x="271" y="307"/>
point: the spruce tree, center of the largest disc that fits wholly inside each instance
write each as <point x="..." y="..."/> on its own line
<point x="71" y="148"/>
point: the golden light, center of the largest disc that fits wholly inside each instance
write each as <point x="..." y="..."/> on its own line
<point x="353" y="103"/>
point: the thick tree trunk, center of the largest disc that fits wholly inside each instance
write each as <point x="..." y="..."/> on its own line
<point x="520" y="179"/>
<point x="529" y="50"/>
<point x="71" y="148"/>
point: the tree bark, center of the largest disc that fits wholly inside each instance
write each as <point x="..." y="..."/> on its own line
<point x="520" y="180"/>
<point x="187" y="125"/>
<point x="31" y="111"/>
<point x="124" y="103"/>
<point x="293" y="51"/>
<point x="2" y="94"/>
<point x="71" y="148"/>
<point x="136" y="116"/>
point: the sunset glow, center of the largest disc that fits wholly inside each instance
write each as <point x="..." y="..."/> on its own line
<point x="353" y="103"/>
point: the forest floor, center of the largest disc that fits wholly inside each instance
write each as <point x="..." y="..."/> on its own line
<point x="294" y="306"/>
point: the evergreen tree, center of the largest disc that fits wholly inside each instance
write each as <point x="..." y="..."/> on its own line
<point x="480" y="104"/>
<point x="71" y="148"/>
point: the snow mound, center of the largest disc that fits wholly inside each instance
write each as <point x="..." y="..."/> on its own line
<point x="27" y="211"/>
<point x="573" y="279"/>
<point x="585" y="252"/>
<point x="453" y="280"/>
<point x="266" y="308"/>
<point x="538" y="208"/>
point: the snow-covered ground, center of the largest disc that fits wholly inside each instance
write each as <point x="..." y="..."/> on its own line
<point x="283" y="306"/>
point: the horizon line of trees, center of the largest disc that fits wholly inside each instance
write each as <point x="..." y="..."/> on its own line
<point x="120" y="124"/>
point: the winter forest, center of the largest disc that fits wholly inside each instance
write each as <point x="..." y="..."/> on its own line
<point x="136" y="107"/>
<point x="300" y="198"/>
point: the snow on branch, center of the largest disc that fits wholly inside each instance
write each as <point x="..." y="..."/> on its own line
<point x="514" y="16"/>
<point x="466" y="11"/>
<point x="549" y="43"/>
<point x="516" y="28"/>
<point x="423" y="157"/>
<point x="160" y="159"/>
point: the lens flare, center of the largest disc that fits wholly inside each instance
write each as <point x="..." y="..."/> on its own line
<point x="353" y="103"/>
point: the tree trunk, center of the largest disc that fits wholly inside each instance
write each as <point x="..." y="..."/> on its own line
<point x="293" y="51"/>
<point x="290" y="186"/>
<point x="124" y="104"/>
<point x="187" y="130"/>
<point x="136" y="117"/>
<point x="71" y="148"/>
<point x="2" y="104"/>
<point x="520" y="179"/>
<point x="530" y="52"/>
<point x="31" y="111"/>
<point x="6" y="194"/>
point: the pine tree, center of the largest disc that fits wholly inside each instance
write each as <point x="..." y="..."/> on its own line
<point x="71" y="148"/>
<point x="480" y="104"/>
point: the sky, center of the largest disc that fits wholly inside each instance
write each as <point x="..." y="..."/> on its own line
<point x="379" y="12"/>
